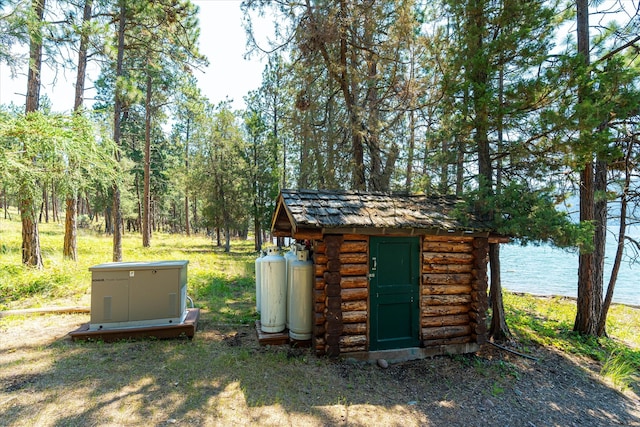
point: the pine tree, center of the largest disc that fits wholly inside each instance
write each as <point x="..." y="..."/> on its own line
<point x="31" y="254"/>
<point x="69" y="249"/>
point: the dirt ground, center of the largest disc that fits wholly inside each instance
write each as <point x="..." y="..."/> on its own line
<point x="223" y="377"/>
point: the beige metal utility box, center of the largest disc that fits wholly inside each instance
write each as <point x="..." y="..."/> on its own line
<point x="135" y="294"/>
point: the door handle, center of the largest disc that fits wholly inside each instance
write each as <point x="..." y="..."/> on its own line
<point x="374" y="263"/>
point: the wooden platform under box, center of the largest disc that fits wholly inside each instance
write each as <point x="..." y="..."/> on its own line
<point x="271" y="338"/>
<point x="279" y="338"/>
<point x="185" y="329"/>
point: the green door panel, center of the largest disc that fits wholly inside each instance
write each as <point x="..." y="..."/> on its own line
<point x="394" y="266"/>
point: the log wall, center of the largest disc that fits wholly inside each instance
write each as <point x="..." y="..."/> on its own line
<point x="354" y="270"/>
<point x="328" y="296"/>
<point x="341" y="294"/>
<point x="451" y="290"/>
<point x="319" y="297"/>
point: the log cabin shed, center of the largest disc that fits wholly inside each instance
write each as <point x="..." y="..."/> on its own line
<point x="396" y="276"/>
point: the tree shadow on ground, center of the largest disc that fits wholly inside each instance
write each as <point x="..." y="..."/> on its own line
<point x="224" y="377"/>
<point x="613" y="357"/>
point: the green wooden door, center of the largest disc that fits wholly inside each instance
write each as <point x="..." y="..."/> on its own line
<point x="394" y="272"/>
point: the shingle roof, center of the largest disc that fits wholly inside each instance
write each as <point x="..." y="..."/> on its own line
<point x="327" y="209"/>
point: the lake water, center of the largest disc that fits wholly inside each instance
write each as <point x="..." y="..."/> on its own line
<point x="544" y="270"/>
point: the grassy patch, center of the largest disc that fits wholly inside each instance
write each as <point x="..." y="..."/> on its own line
<point x="219" y="282"/>
<point x="549" y="322"/>
<point x="621" y="369"/>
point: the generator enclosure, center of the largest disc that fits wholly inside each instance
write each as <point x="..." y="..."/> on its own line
<point x="138" y="294"/>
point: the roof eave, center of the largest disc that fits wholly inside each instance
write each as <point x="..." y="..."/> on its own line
<point x="406" y="231"/>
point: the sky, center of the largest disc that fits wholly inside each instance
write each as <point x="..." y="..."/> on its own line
<point x="222" y="40"/>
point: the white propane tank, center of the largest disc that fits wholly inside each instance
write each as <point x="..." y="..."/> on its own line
<point x="289" y="257"/>
<point x="258" y="278"/>
<point x="273" y="295"/>
<point x="300" y="300"/>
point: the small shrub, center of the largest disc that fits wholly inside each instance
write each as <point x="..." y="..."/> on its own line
<point x="84" y="221"/>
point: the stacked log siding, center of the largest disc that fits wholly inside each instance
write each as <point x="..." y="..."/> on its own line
<point x="446" y="292"/>
<point x="354" y="269"/>
<point x="341" y="319"/>
<point x="319" y="297"/>
<point x="333" y="299"/>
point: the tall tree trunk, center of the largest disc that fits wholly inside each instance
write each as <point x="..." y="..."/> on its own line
<point x="357" y="147"/>
<point x="498" y="330"/>
<point x="31" y="254"/>
<point x="283" y="184"/>
<point x="35" y="59"/>
<point x="411" y="150"/>
<point x="412" y="125"/>
<point x="45" y="204"/>
<point x="371" y="132"/>
<point x="478" y="74"/>
<point x="69" y="249"/>
<point x="5" y="203"/>
<point x="500" y="126"/>
<point x="117" y="116"/>
<point x="460" y="148"/>
<point x="587" y="306"/>
<point x="136" y="184"/>
<point x="54" y="204"/>
<point x="187" y="225"/>
<point x="146" y="223"/>
<point x="256" y="227"/>
<point x="156" y="223"/>
<point x="479" y="70"/>
<point x="380" y="174"/>
<point x="600" y="236"/>
<point x="275" y="122"/>
<point x="256" y="210"/>
<point x="174" y="221"/>
<point x="195" y="213"/>
<point x="227" y="244"/>
<point x="339" y="72"/>
<point x="443" y="185"/>
<point x="587" y="313"/>
<point x="624" y="199"/>
<point x="305" y="149"/>
<point x="108" y="220"/>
